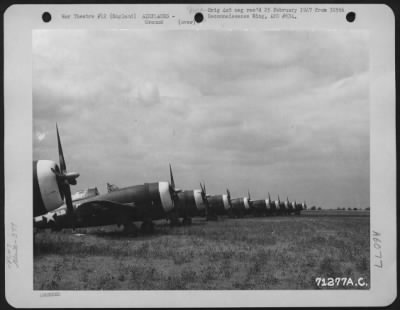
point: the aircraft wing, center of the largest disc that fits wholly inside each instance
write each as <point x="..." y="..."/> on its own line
<point x="104" y="207"/>
<point x="89" y="213"/>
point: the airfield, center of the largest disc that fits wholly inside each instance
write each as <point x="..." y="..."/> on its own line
<point x="277" y="252"/>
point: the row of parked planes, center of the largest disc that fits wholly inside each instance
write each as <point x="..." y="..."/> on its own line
<point x="54" y="206"/>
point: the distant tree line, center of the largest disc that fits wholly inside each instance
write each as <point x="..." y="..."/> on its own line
<point x="352" y="209"/>
<point x="342" y="208"/>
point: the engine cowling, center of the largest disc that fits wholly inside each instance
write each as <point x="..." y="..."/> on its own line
<point x="165" y="196"/>
<point x="225" y="201"/>
<point x="267" y="204"/>
<point x="246" y="203"/>
<point x="47" y="195"/>
<point x="200" y="205"/>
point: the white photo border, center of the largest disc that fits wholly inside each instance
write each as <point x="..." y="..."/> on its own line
<point x="20" y="20"/>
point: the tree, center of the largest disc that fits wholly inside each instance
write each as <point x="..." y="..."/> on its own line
<point x="313" y="208"/>
<point x="319" y="208"/>
<point x="355" y="209"/>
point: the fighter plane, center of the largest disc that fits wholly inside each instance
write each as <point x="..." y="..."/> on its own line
<point x="271" y="205"/>
<point x="51" y="184"/>
<point x="263" y="207"/>
<point x="260" y="207"/>
<point x="217" y="205"/>
<point x="289" y="206"/>
<point x="123" y="206"/>
<point x="188" y="204"/>
<point x="240" y="206"/>
<point x="281" y="207"/>
<point x="299" y="207"/>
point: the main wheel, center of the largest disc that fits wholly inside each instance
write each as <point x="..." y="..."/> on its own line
<point x="129" y="228"/>
<point x="187" y="221"/>
<point x="147" y="227"/>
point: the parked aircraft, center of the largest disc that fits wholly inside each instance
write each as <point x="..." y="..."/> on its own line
<point x="264" y="207"/>
<point x="300" y="207"/>
<point x="51" y="184"/>
<point x="271" y="205"/>
<point x="260" y="207"/>
<point x="218" y="205"/>
<point x="189" y="203"/>
<point x="123" y="206"/>
<point x="281" y="207"/>
<point x="289" y="206"/>
<point x="240" y="206"/>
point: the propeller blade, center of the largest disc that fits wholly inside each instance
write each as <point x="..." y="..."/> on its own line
<point x="172" y="177"/>
<point x="203" y="188"/>
<point x="70" y="207"/>
<point x="204" y="196"/>
<point x="63" y="167"/>
<point x="65" y="179"/>
<point x="228" y="192"/>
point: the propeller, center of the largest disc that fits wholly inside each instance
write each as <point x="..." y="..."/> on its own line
<point x="249" y="199"/>
<point x="172" y="189"/>
<point x="228" y="193"/>
<point x="64" y="178"/>
<point x="204" y="196"/>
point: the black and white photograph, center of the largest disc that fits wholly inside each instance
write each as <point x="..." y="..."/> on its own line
<point x="200" y="160"/>
<point x="199" y="156"/>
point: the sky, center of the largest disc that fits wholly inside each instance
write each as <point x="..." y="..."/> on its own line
<point x="284" y="112"/>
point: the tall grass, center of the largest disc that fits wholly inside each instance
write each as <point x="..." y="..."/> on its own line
<point x="260" y="253"/>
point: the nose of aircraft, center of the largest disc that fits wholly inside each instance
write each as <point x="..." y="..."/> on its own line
<point x="165" y="196"/>
<point x="225" y="201"/>
<point x="198" y="199"/>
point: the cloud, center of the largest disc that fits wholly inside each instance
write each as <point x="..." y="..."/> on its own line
<point x="279" y="111"/>
<point x="148" y="93"/>
<point x="40" y="136"/>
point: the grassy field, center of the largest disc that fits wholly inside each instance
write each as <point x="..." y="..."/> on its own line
<point x="250" y="253"/>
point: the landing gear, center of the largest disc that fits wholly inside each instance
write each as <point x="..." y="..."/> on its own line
<point x="147" y="227"/>
<point x="174" y="221"/>
<point x="187" y="221"/>
<point x="212" y="217"/>
<point x="130" y="228"/>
